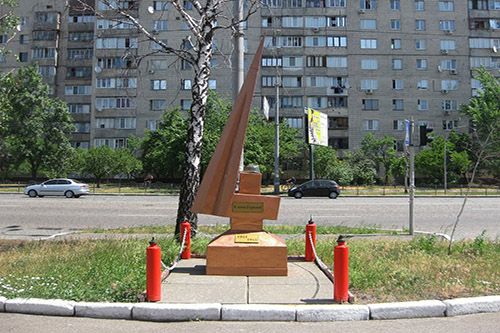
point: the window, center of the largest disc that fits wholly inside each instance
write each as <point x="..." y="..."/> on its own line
<point x="369" y="84"/>
<point x="295" y="122"/>
<point x="448" y="65"/>
<point x="337" y="102"/>
<point x="292" y="81"/>
<point x="338" y="143"/>
<point x="419" y="5"/>
<point x="103" y="103"/>
<point x="316" y="61"/>
<point x="112" y="143"/>
<point x="158" y="84"/>
<point x="185" y="104"/>
<point x="268" y="81"/>
<point x="337" y="21"/>
<point x="446" y="6"/>
<point x="83" y="36"/>
<point x="448" y="45"/>
<point x="44" y="53"/>
<point x="47" y="70"/>
<point x="422" y="64"/>
<point x="23" y="39"/>
<point x="336" y="3"/>
<point x="494" y="4"/>
<point x="420" y="25"/>
<point x="395" y="4"/>
<point x="125" y="123"/>
<point x="314" y="3"/>
<point x="44" y="35"/>
<point x="160" y="25"/>
<point x="395" y="44"/>
<point x="80" y="53"/>
<point x="81" y="127"/>
<point x="370" y="125"/>
<point x="291" y="101"/>
<point x="160" y="5"/>
<point x="397" y="105"/>
<point x="397" y="84"/>
<point x="317" y="102"/>
<point x="186" y="84"/>
<point x="423" y="105"/>
<point x="104" y="122"/>
<point x="46" y="17"/>
<point x="74" y="72"/>
<point x="420" y="44"/>
<point x="395" y="24"/>
<point x="81" y="18"/>
<point x="311" y="21"/>
<point x="368" y="24"/>
<point x="336" y="41"/>
<point x="449" y="125"/>
<point x="158" y="104"/>
<point x="370" y="104"/>
<point x="116" y="43"/>
<point x="367" y="4"/>
<point x="157" y="46"/>
<point x="447" y="25"/>
<point x="368" y="43"/>
<point x="78" y="90"/>
<point x="338" y="122"/>
<point x="292" y="62"/>
<point x="479" y="4"/>
<point x="153" y="125"/>
<point x="79" y="108"/>
<point x="397" y="64"/>
<point x="268" y="61"/>
<point x="369" y="64"/>
<point x="423" y="84"/>
<point x="398" y="125"/>
<point x="449" y="85"/>
<point x="450" y="105"/>
<point x="336" y="62"/>
<point x="313" y="41"/>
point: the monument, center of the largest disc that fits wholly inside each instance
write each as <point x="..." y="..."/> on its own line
<point x="245" y="249"/>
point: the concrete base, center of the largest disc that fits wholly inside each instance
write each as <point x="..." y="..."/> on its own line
<point x="253" y="253"/>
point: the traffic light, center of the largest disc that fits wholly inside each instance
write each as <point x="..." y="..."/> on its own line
<point x="424" y="132"/>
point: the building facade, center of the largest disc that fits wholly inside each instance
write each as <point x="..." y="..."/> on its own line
<point x="368" y="64"/>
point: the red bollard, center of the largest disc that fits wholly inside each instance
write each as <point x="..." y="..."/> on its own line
<point x="310" y="234"/>
<point x="341" y="271"/>
<point x="186" y="253"/>
<point x="153" y="272"/>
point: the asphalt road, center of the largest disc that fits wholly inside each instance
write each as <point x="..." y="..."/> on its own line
<point x="35" y="218"/>
<point x="484" y="323"/>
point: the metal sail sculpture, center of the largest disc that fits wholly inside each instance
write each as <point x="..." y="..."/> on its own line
<point x="219" y="181"/>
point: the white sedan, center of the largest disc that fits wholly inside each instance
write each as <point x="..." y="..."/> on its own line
<point x="62" y="186"/>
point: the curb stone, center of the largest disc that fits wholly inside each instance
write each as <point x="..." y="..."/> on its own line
<point x="176" y="312"/>
<point x="463" y="306"/>
<point x="252" y="312"/>
<point x="49" y="307"/>
<point x="2" y="303"/>
<point x="419" y="309"/>
<point x="258" y="312"/>
<point x="104" y="310"/>
<point x="332" y="312"/>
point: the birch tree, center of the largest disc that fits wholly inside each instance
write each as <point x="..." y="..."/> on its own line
<point x="203" y="21"/>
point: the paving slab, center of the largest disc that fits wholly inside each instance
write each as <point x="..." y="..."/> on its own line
<point x="304" y="284"/>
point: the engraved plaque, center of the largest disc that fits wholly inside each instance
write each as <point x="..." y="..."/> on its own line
<point x="248" y="207"/>
<point x="246" y="238"/>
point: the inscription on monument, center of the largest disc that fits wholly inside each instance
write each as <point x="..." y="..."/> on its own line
<point x="246" y="238"/>
<point x="248" y="207"/>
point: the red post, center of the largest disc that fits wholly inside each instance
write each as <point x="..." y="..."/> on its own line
<point x="186" y="253"/>
<point x="341" y="271"/>
<point x="310" y="234"/>
<point x="153" y="272"/>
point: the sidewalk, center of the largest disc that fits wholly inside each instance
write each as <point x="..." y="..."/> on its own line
<point x="305" y="284"/>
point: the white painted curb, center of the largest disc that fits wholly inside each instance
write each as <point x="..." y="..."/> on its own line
<point x="49" y="307"/>
<point x="463" y="306"/>
<point x="419" y="309"/>
<point x="258" y="312"/>
<point x="332" y="312"/>
<point x="2" y="304"/>
<point x="104" y="310"/>
<point x="176" y="312"/>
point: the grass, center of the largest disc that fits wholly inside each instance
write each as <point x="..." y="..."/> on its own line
<point x="381" y="270"/>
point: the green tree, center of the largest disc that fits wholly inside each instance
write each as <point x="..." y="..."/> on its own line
<point x="35" y="125"/>
<point x="8" y="22"/>
<point x="363" y="168"/>
<point x="383" y="153"/>
<point x="163" y="149"/>
<point x="327" y="165"/>
<point x="125" y="163"/>
<point x="98" y="162"/>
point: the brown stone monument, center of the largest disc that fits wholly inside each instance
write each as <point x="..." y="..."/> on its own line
<point x="246" y="249"/>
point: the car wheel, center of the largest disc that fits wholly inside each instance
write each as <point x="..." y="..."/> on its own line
<point x="298" y="195"/>
<point x="333" y="195"/>
<point x="69" y="194"/>
<point x="32" y="193"/>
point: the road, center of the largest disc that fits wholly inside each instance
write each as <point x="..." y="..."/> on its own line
<point x="484" y="323"/>
<point x="35" y="218"/>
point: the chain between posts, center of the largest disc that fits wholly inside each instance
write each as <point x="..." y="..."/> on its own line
<point x="178" y="256"/>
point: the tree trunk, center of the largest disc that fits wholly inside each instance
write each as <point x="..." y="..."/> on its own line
<point x="192" y="164"/>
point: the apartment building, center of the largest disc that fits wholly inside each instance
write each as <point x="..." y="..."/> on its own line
<point x="368" y="64"/>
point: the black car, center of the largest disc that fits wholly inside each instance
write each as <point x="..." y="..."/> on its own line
<point x="316" y="188"/>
